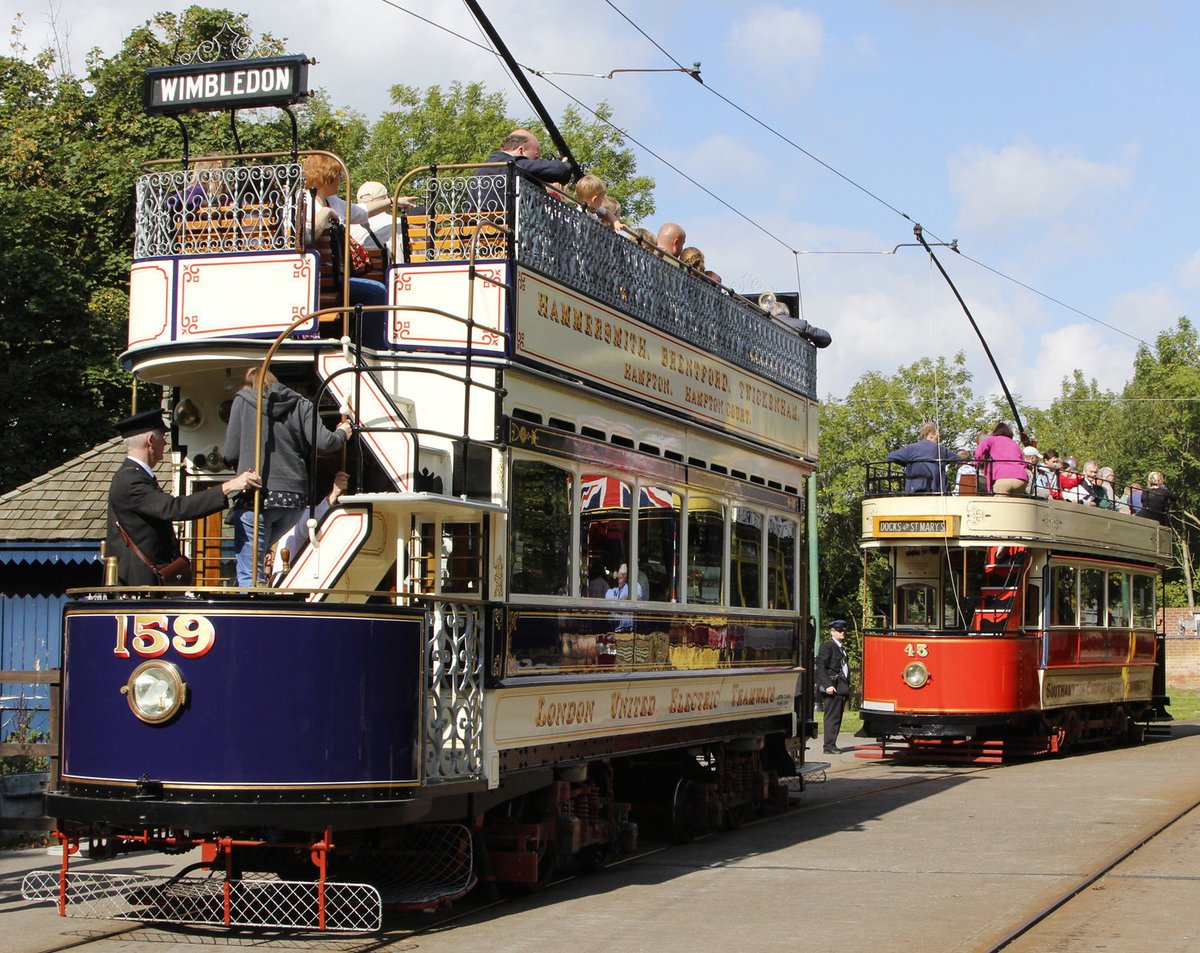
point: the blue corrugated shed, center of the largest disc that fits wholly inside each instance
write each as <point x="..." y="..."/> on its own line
<point x="51" y="531"/>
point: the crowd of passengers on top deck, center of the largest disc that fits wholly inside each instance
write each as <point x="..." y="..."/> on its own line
<point x="999" y="465"/>
<point x="370" y="218"/>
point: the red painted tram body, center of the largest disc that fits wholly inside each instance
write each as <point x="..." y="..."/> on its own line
<point x="1014" y="625"/>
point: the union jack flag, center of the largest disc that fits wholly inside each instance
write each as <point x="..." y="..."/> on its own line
<point x="609" y="493"/>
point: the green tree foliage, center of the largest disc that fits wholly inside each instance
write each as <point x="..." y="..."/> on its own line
<point x="464" y="123"/>
<point x="880" y="413"/>
<point x="71" y="149"/>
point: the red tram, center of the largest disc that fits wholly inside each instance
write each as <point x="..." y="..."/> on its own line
<point x="1015" y="626"/>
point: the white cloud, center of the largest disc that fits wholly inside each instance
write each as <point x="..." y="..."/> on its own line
<point x="779" y="42"/>
<point x="1023" y="184"/>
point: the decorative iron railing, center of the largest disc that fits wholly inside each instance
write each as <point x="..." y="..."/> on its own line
<point x="559" y="239"/>
<point x="454" y="701"/>
<point x="206" y="211"/>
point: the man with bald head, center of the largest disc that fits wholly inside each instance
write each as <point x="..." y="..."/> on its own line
<point x="521" y="148"/>
<point x="671" y="238"/>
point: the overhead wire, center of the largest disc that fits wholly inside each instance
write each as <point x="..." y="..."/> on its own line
<point x="694" y="72"/>
<point x="865" y="190"/>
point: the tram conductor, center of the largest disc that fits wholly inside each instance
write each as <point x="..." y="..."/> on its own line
<point x="833" y="681"/>
<point x="144" y="511"/>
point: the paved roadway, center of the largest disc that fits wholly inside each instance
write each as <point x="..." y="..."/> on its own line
<point x="878" y="858"/>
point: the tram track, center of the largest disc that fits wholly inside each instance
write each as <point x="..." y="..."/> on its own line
<point x="1100" y="871"/>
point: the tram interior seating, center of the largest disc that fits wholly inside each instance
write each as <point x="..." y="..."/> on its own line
<point x="329" y="248"/>
<point x="214" y="229"/>
<point x="450" y="235"/>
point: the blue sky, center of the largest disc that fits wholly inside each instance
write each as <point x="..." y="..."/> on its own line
<point x="1054" y="140"/>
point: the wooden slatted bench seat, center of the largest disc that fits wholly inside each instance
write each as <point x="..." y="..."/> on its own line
<point x="448" y="236"/>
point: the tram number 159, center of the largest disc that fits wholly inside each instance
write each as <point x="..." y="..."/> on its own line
<point x="917" y="649"/>
<point x="146" y="635"/>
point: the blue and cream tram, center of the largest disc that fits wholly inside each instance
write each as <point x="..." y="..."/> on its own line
<point x="436" y="690"/>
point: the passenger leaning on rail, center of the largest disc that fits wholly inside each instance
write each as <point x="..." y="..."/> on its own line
<point x="323" y="179"/>
<point x="924" y="461"/>
<point x="1002" y="462"/>
<point x="287" y="423"/>
<point x="486" y="188"/>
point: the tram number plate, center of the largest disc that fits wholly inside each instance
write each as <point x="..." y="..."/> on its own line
<point x="916" y="649"/>
<point x="147" y="635"/>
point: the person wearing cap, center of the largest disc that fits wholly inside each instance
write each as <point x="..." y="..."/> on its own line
<point x="376" y="232"/>
<point x="832" y="672"/>
<point x="145" y="511"/>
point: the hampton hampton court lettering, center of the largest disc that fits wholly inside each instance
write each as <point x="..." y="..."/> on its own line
<point x="706" y="384"/>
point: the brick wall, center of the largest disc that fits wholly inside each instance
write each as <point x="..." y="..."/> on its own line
<point x="1183" y="648"/>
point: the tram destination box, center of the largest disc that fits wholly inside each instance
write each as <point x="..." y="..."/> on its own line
<point x="230" y="84"/>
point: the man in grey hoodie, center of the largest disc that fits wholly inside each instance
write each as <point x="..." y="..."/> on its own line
<point x="287" y="430"/>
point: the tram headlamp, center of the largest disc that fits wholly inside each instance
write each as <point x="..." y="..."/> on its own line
<point x="915" y="674"/>
<point x="155" y="691"/>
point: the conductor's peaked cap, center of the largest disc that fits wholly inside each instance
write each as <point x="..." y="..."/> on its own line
<point x="144" y="422"/>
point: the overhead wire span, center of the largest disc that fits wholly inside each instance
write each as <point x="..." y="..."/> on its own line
<point x="694" y="72"/>
<point x="868" y="192"/>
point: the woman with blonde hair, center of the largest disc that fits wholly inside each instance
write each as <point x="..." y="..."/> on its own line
<point x="323" y="179"/>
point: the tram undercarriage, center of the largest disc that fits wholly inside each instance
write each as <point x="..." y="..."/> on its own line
<point x="540" y="824"/>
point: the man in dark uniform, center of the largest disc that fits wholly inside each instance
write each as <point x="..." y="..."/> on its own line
<point x="146" y="512"/>
<point x="833" y="681"/>
<point x="486" y="188"/>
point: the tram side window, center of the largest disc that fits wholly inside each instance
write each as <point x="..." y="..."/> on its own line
<point x="746" y="558"/>
<point x="604" y="531"/>
<point x="1091" y="597"/>
<point x="1033" y="604"/>
<point x="541" y="517"/>
<point x="1064" y="596"/>
<point x="659" y="510"/>
<point x="462" y="556"/>
<point x="705" y="555"/>
<point x="781" y="562"/>
<point x="1118" y="599"/>
<point x="1143" y="602"/>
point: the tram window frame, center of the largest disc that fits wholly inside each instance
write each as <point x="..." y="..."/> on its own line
<point x="649" y="534"/>
<point x="557" y="556"/>
<point x="617" y="550"/>
<point x="755" y="543"/>
<point x="1142" y="616"/>
<point x="782" y="577"/>
<point x="1092" y="582"/>
<point x="1124" y="592"/>
<point x="905" y="601"/>
<point x="965" y="581"/>
<point x="699" y="581"/>
<point x="1060" y="576"/>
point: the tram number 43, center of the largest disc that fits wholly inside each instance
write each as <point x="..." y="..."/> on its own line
<point x="147" y="635"/>
<point x="919" y="649"/>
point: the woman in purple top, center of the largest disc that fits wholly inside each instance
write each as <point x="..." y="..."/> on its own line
<point x="1001" y="460"/>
